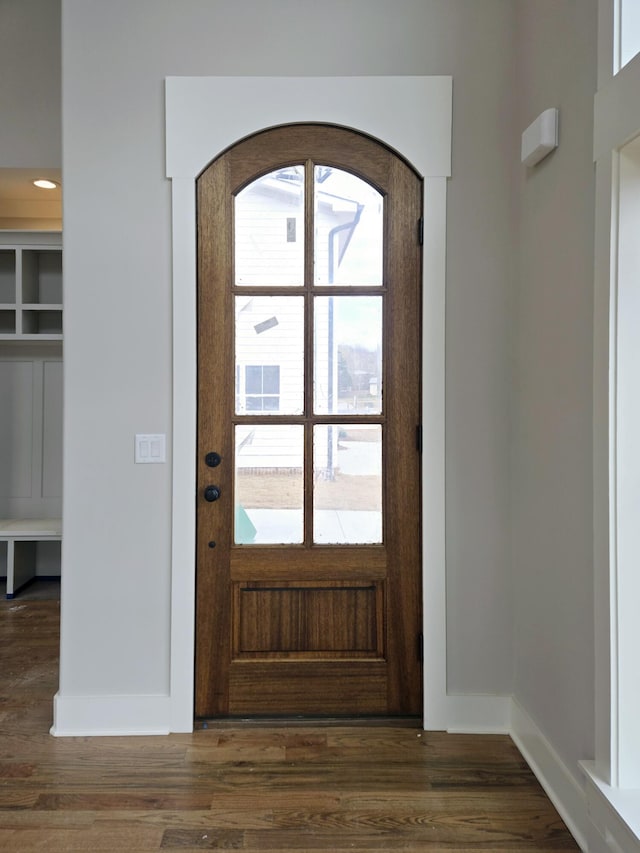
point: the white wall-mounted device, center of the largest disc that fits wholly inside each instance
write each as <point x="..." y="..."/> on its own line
<point x="540" y="138"/>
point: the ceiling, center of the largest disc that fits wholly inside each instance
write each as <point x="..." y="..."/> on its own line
<point x="25" y="207"/>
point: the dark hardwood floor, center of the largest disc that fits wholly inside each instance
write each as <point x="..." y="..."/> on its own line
<point x="252" y="788"/>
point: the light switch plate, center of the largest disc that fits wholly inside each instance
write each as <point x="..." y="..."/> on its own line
<point x="150" y="448"/>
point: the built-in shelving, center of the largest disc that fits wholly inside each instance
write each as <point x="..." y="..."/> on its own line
<point x="30" y="286"/>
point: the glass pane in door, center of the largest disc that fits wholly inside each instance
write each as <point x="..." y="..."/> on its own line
<point x="348" y="229"/>
<point x="269" y="230"/>
<point x="269" y="363"/>
<point x="269" y="484"/>
<point x="347" y="484"/>
<point x="347" y="355"/>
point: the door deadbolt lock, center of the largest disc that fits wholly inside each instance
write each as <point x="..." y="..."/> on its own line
<point x="211" y="493"/>
<point x="212" y="459"/>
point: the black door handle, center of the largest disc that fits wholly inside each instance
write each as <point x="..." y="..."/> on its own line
<point x="211" y="493"/>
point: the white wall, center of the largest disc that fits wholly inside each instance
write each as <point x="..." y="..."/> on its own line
<point x="551" y="482"/>
<point x="30" y="129"/>
<point x="115" y="617"/>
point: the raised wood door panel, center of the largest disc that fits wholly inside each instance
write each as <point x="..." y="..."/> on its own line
<point x="308" y="627"/>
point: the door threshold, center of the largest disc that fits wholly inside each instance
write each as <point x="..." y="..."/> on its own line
<point x="308" y="721"/>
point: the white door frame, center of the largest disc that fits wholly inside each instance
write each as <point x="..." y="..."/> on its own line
<point x="204" y="116"/>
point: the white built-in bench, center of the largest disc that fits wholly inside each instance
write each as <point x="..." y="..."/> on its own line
<point x="21" y="536"/>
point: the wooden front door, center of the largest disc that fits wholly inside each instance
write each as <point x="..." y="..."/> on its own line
<point x="308" y="507"/>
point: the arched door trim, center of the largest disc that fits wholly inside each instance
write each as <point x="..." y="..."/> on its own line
<point x="203" y="117"/>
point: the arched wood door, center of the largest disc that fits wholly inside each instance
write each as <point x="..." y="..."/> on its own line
<point x="308" y="598"/>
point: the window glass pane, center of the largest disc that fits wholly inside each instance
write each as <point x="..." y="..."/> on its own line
<point x="253" y="375"/>
<point x="269" y="354"/>
<point x="347" y="484"/>
<point x="348" y="355"/>
<point x="269" y="229"/>
<point x="269" y="484"/>
<point x="263" y="388"/>
<point x="348" y="229"/>
<point x="270" y="380"/>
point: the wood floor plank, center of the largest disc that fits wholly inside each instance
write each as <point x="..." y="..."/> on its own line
<point x="158" y="801"/>
<point x="80" y="840"/>
<point x="262" y="787"/>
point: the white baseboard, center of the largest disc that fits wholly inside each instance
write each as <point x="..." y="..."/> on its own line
<point x="95" y="716"/>
<point x="560" y="785"/>
<point x="478" y="714"/>
<point x="614" y="813"/>
<point x="80" y="716"/>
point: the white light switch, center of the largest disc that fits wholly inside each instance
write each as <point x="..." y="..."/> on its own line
<point x="150" y="448"/>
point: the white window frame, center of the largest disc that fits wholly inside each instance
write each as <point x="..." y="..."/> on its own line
<point x="263" y="394"/>
<point x="613" y="778"/>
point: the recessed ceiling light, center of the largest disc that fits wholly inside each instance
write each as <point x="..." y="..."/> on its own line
<point x="45" y="184"/>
